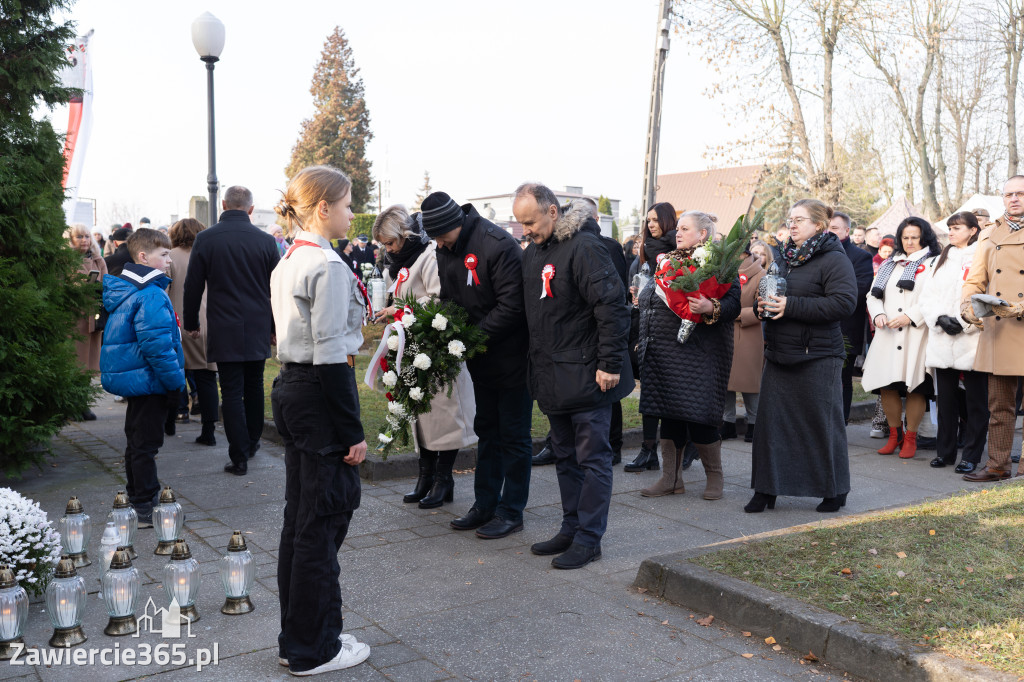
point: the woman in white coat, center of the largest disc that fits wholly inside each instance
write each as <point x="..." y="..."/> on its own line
<point x="895" y="364"/>
<point x="952" y="345"/>
<point x="412" y="270"/>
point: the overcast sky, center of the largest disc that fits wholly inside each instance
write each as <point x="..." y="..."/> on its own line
<point x="484" y="95"/>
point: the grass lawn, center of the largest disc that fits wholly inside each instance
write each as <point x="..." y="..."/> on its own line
<point x="373" y="404"/>
<point x="947" y="574"/>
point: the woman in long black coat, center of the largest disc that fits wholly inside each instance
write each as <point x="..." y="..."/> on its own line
<point x="800" y="445"/>
<point x="684" y="384"/>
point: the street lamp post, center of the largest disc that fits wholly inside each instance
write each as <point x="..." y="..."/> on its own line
<point x="208" y="39"/>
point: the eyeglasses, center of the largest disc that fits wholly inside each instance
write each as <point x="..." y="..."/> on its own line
<point x="1014" y="195"/>
<point x="790" y="222"/>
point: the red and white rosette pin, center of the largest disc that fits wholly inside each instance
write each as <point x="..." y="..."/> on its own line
<point x="396" y="288"/>
<point x="661" y="257"/>
<point x="546" y="275"/>
<point x="743" y="279"/>
<point x="920" y="268"/>
<point x="471" y="277"/>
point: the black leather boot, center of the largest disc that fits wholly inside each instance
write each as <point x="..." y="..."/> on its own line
<point x="646" y="460"/>
<point x="428" y="463"/>
<point x="443" y="489"/>
<point x="207" y="436"/>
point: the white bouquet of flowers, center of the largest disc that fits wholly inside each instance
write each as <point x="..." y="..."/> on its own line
<point x="28" y="542"/>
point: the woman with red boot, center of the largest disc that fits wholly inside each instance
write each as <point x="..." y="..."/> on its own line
<point x="895" y="364"/>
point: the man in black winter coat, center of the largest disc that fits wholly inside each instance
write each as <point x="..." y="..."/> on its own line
<point x="577" y="316"/>
<point x="232" y="261"/>
<point x="480" y="268"/>
<point x="853" y="327"/>
<point x="120" y="257"/>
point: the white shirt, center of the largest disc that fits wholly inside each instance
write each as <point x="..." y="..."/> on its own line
<point x="318" y="308"/>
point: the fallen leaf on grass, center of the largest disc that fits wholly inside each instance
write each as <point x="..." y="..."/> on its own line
<point x="928" y="601"/>
<point x="931" y="532"/>
<point x="873" y="551"/>
<point x="894" y="593"/>
<point x="846" y="571"/>
<point x="901" y="574"/>
<point x="810" y="657"/>
<point x="901" y="555"/>
<point x="747" y="655"/>
<point x="814" y="544"/>
<point x="970" y="570"/>
<point x="1009" y="577"/>
<point x="769" y="640"/>
<point x="706" y="621"/>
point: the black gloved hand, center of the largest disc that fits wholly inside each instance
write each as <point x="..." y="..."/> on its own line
<point x="949" y="325"/>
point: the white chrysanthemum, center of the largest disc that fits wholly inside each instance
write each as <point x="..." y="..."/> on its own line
<point x="384" y="438"/>
<point x="700" y="254"/>
<point x="456" y="348"/>
<point x="421" y="361"/>
<point x="396" y="409"/>
<point x="440" y="322"/>
<point x="389" y="378"/>
<point x="416" y="393"/>
<point x="408" y="320"/>
<point x="393" y="342"/>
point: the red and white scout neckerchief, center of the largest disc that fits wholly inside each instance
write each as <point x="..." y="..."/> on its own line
<point x="471" y="277"/>
<point x="359" y="283"/>
<point x="396" y="287"/>
<point x="545" y="276"/>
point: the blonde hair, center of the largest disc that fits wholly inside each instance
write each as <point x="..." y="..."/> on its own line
<point x="307" y="189"/>
<point x="79" y="228"/>
<point x="768" y="256"/>
<point x="820" y="212"/>
<point x="705" y="222"/>
<point x="394" y="222"/>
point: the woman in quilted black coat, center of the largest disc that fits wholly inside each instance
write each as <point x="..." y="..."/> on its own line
<point x="800" y="446"/>
<point x="684" y="384"/>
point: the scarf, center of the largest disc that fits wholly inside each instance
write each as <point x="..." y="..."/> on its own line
<point x="407" y="255"/>
<point x="1014" y="226"/>
<point x="906" y="281"/>
<point x="796" y="256"/>
<point x="655" y="246"/>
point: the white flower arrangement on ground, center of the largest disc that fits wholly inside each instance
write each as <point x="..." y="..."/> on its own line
<point x="28" y="542"/>
<point x="438" y="339"/>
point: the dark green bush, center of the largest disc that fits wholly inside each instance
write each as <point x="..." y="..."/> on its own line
<point x="41" y="385"/>
<point x="362" y="223"/>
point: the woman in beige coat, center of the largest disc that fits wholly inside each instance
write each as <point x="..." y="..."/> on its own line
<point x="895" y="364"/>
<point x="747" y="351"/>
<point x="87" y="345"/>
<point x="183" y="235"/>
<point x="412" y="270"/>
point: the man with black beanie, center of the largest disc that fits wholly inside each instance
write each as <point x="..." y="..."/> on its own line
<point x="120" y="256"/>
<point x="480" y="268"/>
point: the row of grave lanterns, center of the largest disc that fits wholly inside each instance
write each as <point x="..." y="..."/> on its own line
<point x="119" y="579"/>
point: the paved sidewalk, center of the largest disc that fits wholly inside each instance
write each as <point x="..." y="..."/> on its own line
<point x="435" y="603"/>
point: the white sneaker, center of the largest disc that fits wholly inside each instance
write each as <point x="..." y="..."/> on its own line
<point x="877" y="433"/>
<point x="345" y="639"/>
<point x="351" y="654"/>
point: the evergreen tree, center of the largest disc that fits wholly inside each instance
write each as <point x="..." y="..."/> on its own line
<point x="604" y="205"/>
<point x="424" y="191"/>
<point x="338" y="132"/>
<point x="41" y="294"/>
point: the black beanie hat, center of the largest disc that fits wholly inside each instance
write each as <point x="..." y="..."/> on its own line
<point x="121" y="234"/>
<point x="440" y="214"/>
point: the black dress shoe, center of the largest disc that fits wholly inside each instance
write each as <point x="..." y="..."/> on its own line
<point x="965" y="467"/>
<point x="577" y="556"/>
<point x="545" y="456"/>
<point x="498" y="528"/>
<point x="237" y="469"/>
<point x="88" y="415"/>
<point x="474" y="518"/>
<point x="555" y="545"/>
<point x="937" y="463"/>
<point x="758" y="502"/>
<point x="831" y="504"/>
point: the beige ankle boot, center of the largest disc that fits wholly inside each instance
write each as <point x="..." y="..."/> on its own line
<point x="671" y="481"/>
<point x="711" y="458"/>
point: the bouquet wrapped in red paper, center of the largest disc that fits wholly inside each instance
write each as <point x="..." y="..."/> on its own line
<point x="709" y="271"/>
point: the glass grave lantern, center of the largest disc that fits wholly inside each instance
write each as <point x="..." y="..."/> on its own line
<point x="181" y="581"/>
<point x="75" y="529"/>
<point x="237" y="571"/>
<point x="126" y="520"/>
<point x="108" y="545"/>
<point x="65" y="604"/>
<point x="13" y="612"/>
<point x="168" y="520"/>
<point x="121" y="594"/>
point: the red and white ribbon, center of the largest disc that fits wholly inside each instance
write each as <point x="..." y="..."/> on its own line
<point x="379" y="362"/>
<point x="471" y="277"/>
<point x="546" y="275"/>
<point x="396" y="286"/>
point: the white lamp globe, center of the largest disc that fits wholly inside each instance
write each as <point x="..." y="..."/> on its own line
<point x="208" y="36"/>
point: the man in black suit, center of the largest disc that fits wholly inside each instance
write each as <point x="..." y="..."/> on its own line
<point x="232" y="261"/>
<point x="854" y="326"/>
<point x="363" y="251"/>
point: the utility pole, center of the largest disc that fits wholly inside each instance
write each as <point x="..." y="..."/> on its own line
<point x="654" y="114"/>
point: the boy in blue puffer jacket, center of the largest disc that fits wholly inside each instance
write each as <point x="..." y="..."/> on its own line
<point x="142" y="360"/>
